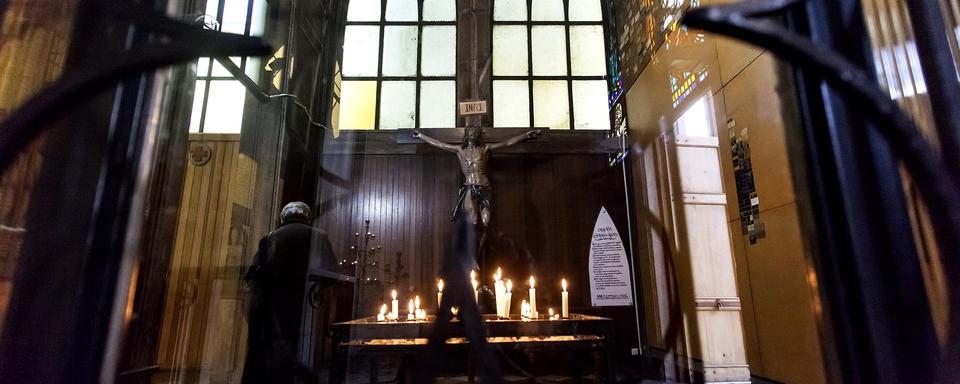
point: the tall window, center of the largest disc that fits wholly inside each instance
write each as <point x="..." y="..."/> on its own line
<point x="549" y="64"/>
<point x="218" y="96"/>
<point x="399" y="65"/>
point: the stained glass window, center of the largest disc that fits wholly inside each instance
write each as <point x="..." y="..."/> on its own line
<point x="549" y="64"/>
<point x="218" y="95"/>
<point x="399" y="65"/>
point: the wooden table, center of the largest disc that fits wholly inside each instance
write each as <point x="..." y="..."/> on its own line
<point x="368" y="338"/>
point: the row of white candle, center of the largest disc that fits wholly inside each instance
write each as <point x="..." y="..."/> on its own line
<point x="503" y="291"/>
<point x="414" y="312"/>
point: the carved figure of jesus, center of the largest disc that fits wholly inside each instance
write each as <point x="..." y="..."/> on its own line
<point x="475" y="193"/>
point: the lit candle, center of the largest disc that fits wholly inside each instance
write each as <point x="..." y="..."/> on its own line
<point x="565" y="300"/>
<point x="410" y="309"/>
<point x="524" y="309"/>
<point x="395" y="304"/>
<point x="533" y="298"/>
<point x="500" y="290"/>
<point x="439" y="293"/>
<point x="416" y="301"/>
<point x="382" y="316"/>
<point x="550" y="313"/>
<point x="476" y="291"/>
<point x="507" y="297"/>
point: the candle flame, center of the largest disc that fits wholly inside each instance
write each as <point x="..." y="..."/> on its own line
<point x="509" y="285"/>
<point x="416" y="301"/>
<point x="533" y="282"/>
<point x="393" y="294"/>
<point x="383" y="309"/>
<point x="550" y="311"/>
<point x="475" y="285"/>
<point x="498" y="274"/>
<point x="473" y="275"/>
<point x="440" y="285"/>
<point x="563" y="283"/>
<point x="410" y="306"/>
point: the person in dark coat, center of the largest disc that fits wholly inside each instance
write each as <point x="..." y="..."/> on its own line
<point x="278" y="281"/>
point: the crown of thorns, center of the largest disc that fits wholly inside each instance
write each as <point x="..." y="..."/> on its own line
<point x="473" y="133"/>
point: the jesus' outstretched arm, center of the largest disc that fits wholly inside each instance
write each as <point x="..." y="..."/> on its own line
<point x="516" y="139"/>
<point x="434" y="142"/>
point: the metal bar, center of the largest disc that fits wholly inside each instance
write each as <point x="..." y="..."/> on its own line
<point x="940" y="76"/>
<point x="238" y="74"/>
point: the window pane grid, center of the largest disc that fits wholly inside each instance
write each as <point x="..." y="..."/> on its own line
<point x="232" y="16"/>
<point x="583" y="40"/>
<point x="394" y="79"/>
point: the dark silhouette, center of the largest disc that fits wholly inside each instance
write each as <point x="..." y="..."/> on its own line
<point x="277" y="281"/>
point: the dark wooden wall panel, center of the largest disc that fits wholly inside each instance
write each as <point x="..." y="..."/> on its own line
<point x="545" y="207"/>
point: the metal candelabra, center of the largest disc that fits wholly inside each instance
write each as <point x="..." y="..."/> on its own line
<point x="363" y="254"/>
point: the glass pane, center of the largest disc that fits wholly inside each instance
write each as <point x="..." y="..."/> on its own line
<point x="361" y="45"/>
<point x="234" y="16"/>
<point x="363" y="10"/>
<point x="258" y="17"/>
<point x="587" y="56"/>
<point x="551" y="107"/>
<point x="585" y="10"/>
<point x="358" y="101"/>
<point x="549" y="45"/>
<point x="203" y="66"/>
<point x="547" y="10"/>
<point x="511" y="103"/>
<point x="211" y="11"/>
<point x="224" y="107"/>
<point x="697" y="120"/>
<point x="220" y="70"/>
<point x="439" y="50"/>
<point x="400" y="51"/>
<point x="510" y="50"/>
<point x="252" y="69"/>
<point x="197" y="112"/>
<point x="398" y="104"/>
<point x="590" y="109"/>
<point x="510" y="10"/>
<point x="438" y="104"/>
<point x="402" y="10"/>
<point x="439" y="10"/>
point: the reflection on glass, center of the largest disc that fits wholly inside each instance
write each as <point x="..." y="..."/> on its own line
<point x="547" y="10"/>
<point x="400" y="51"/>
<point x="438" y="104"/>
<point x="696" y="120"/>
<point x="550" y="104"/>
<point x="510" y="10"/>
<point x="234" y="16"/>
<point x="549" y="45"/>
<point x="258" y="17"/>
<point x="197" y="111"/>
<point x="203" y="66"/>
<point x="585" y="10"/>
<point x="510" y="50"/>
<point x="401" y="10"/>
<point x="363" y="10"/>
<point x="511" y="103"/>
<point x="586" y="50"/>
<point x="590" y="109"/>
<point x="439" y="10"/>
<point x="224" y="107"/>
<point x="219" y="70"/>
<point x="398" y="104"/>
<point x="358" y="100"/>
<point x="361" y="45"/>
<point x="439" y="50"/>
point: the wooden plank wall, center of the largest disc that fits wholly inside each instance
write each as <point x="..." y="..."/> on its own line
<point x="199" y="295"/>
<point x="545" y="207"/>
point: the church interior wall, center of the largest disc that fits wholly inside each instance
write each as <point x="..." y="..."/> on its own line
<point x="775" y="281"/>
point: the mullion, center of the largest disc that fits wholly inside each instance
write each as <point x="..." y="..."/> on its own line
<point x="418" y="81"/>
<point x="383" y="22"/>
<point x="530" y="62"/>
<point x="246" y="32"/>
<point x="203" y="109"/>
<point x="570" y="115"/>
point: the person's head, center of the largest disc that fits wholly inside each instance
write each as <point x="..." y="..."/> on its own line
<point x="472" y="137"/>
<point x="295" y="212"/>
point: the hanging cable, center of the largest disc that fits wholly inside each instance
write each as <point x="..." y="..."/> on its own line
<point x="296" y="100"/>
